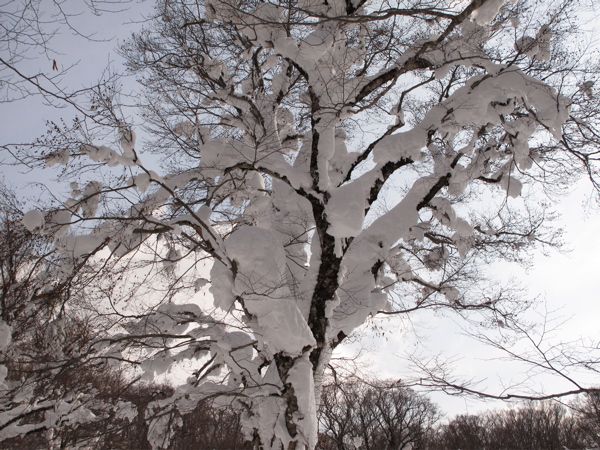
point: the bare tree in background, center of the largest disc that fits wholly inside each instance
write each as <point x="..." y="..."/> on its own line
<point x="377" y="415"/>
<point x="324" y="162"/>
<point x="586" y="410"/>
<point x="532" y="425"/>
<point x="465" y="431"/>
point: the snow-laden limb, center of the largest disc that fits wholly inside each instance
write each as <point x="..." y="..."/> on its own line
<point x="488" y="10"/>
<point x="347" y="205"/>
<point x="301" y="378"/>
<point x="29" y="412"/>
<point x="281" y="325"/>
<point x="33" y="220"/>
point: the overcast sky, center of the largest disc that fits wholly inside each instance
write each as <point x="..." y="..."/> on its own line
<point x="566" y="283"/>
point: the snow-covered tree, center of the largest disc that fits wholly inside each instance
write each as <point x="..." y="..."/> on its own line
<point x="50" y="382"/>
<point x="324" y="161"/>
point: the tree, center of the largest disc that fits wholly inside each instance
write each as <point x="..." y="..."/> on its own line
<point x="49" y="380"/>
<point x="530" y="425"/>
<point x="587" y="413"/>
<point x="378" y="415"/>
<point x="325" y="161"/>
<point x="465" y="431"/>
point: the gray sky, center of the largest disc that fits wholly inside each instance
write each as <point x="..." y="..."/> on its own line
<point x="566" y="283"/>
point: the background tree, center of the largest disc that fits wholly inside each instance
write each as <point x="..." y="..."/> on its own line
<point x="525" y="426"/>
<point x="48" y="376"/>
<point x="464" y="431"/>
<point x="309" y="218"/>
<point x="586" y="410"/>
<point x="373" y="415"/>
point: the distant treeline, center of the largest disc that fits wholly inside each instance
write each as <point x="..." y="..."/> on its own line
<point x="353" y="415"/>
<point x="380" y="416"/>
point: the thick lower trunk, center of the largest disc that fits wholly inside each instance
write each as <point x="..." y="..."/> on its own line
<point x="289" y="420"/>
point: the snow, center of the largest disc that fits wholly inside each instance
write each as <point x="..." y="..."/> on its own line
<point x="536" y="47"/>
<point x="100" y="153"/>
<point x="300" y="376"/>
<point x="91" y="198"/>
<point x="402" y="145"/>
<point x="512" y="186"/>
<point x="543" y="38"/>
<point x="488" y="11"/>
<point x="526" y="44"/>
<point x="69" y="412"/>
<point x="125" y="410"/>
<point x="259" y="256"/>
<point x="399" y="266"/>
<point x="463" y="227"/>
<point x="33" y="220"/>
<point x="221" y="287"/>
<point x="60" y="157"/>
<point x="127" y="142"/>
<point x="281" y="325"/>
<point x="326" y="129"/>
<point x="223" y="154"/>
<point x="108" y="156"/>
<point x="259" y="261"/>
<point x="200" y="283"/>
<point x="435" y="258"/>
<point x="3" y="374"/>
<point x="81" y="245"/>
<point x="346" y="208"/>
<point x="58" y="222"/>
<point x="141" y="182"/>
<point x="269" y="420"/>
<point x="5" y="335"/>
